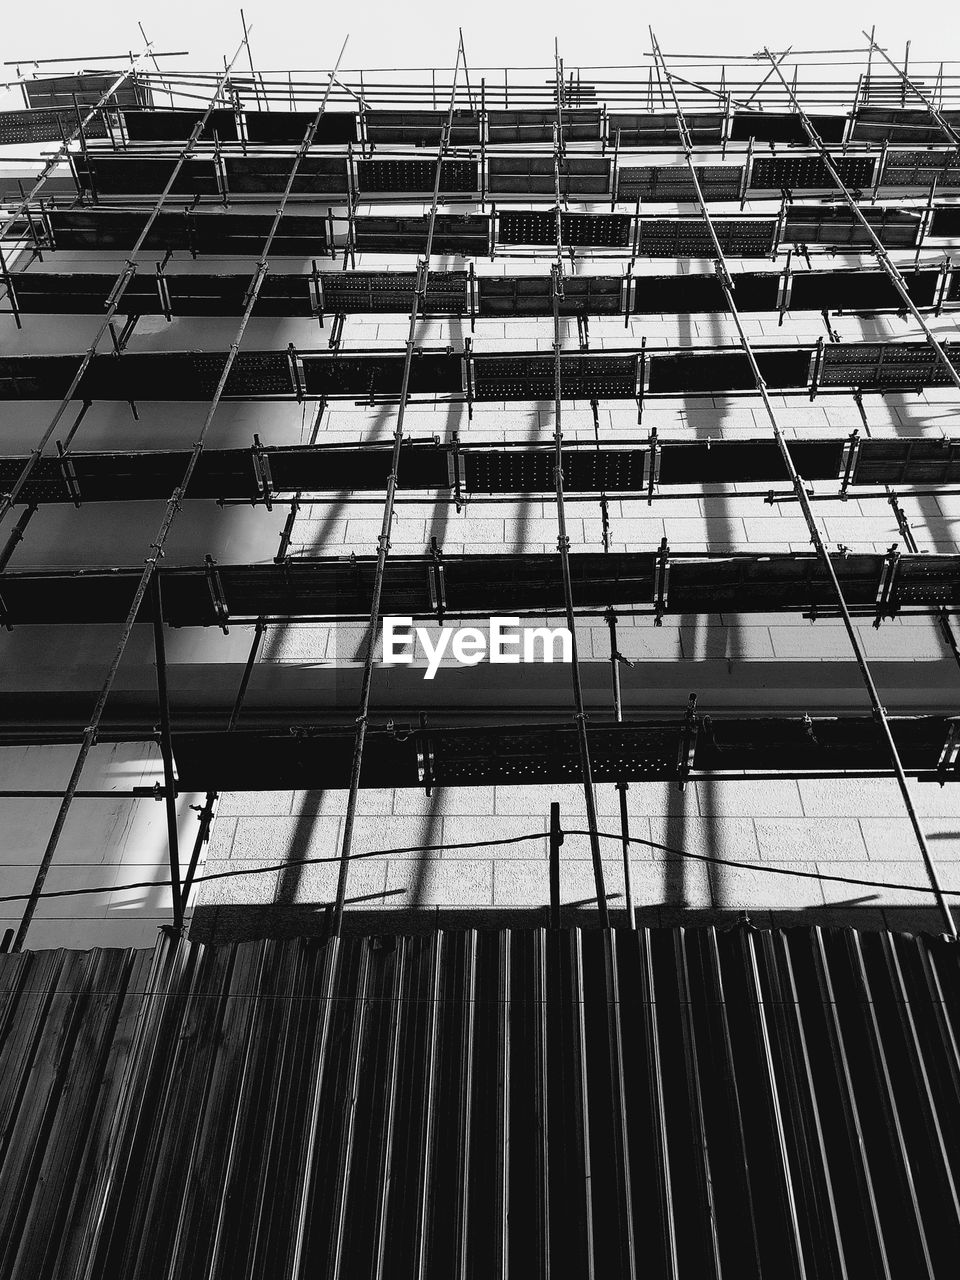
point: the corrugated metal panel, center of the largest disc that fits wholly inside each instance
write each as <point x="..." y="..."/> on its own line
<point x="665" y="1103"/>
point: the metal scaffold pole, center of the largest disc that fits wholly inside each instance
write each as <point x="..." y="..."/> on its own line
<point x="383" y="542"/>
<point x="563" y="540"/>
<point x="799" y="489"/>
<point x="174" y="505"/>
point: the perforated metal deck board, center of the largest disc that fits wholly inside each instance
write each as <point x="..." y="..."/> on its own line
<point x="687" y="238"/>
<point x="672" y="183"/>
<point x="793" y="173"/>
<point x="921" y="169"/>
<point x="353" y="292"/>
<point x="532" y="470"/>
<point x="528" y="377"/>
<point x="886" y="364"/>
<point x="417" y="175"/>
<point x="527" y="227"/>
<point x="36" y="125"/>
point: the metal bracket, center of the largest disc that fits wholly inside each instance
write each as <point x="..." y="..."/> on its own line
<point x="848" y="461"/>
<point x="262" y="475"/>
<point x="5" y="615"/>
<point x="688" y="742"/>
<point x="456" y="471"/>
<point x="888" y="574"/>
<point x="642" y="375"/>
<point x="69" y="474"/>
<point x="661" y="582"/>
<point x="295" y="366"/>
<point x="785" y="289"/>
<point x="424" y="757"/>
<point x="316" y="291"/>
<point x="651" y="465"/>
<point x="218" y="599"/>
<point x="467" y="378"/>
<point x="817" y="367"/>
<point x="438" y="587"/>
<point x="163" y="289"/>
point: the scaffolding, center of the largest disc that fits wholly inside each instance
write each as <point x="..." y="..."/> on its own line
<point x="559" y="198"/>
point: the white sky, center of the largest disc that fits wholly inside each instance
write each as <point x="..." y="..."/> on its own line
<point x="294" y="34"/>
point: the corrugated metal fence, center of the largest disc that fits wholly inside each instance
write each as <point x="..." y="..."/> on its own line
<point x="668" y="1102"/>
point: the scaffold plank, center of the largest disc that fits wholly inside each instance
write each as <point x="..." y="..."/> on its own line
<point x="86" y="89"/>
<point x="673" y="184"/>
<point x="531" y="377"/>
<point x="377" y="176"/>
<point x="906" y="125"/>
<point x="659" y="128"/>
<point x="423" y="128"/>
<point x="464" y="234"/>
<point x="177" y="125"/>
<point x="769" y="126"/>
<point x="483" y="585"/>
<point x="533" y="295"/>
<point x="306" y="755"/>
<point x="682" y="372"/>
<point x="689" y="238"/>
<point x="835" y="224"/>
<point x="537" y="126"/>
<point x="37" y="125"/>
<point x="791" y="173"/>
<point x="278" y="128"/>
<point x="886" y="365"/>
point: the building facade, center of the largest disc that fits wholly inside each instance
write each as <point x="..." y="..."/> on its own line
<point x="674" y="243"/>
